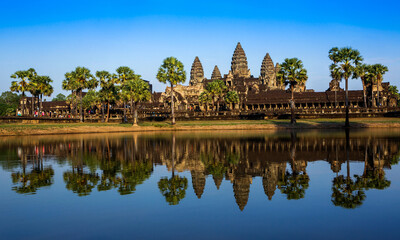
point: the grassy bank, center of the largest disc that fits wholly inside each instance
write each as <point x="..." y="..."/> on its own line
<point x="69" y="128"/>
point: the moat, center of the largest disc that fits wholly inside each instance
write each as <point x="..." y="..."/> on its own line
<point x="202" y="185"/>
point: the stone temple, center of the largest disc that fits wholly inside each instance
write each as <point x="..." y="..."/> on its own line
<point x="265" y="94"/>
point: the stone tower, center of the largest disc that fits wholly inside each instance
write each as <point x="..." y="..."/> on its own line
<point x="198" y="182"/>
<point x="267" y="72"/>
<point x="239" y="66"/>
<point x="197" y="73"/>
<point x="241" y="190"/>
<point x="216" y="74"/>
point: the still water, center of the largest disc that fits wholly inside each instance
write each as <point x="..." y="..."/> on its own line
<point x="201" y="185"/>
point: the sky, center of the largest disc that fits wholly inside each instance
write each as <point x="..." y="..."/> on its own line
<point x="54" y="37"/>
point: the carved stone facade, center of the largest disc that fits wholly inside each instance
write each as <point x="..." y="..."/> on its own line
<point x="197" y="73"/>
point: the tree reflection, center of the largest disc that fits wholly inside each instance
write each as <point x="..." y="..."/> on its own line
<point x="29" y="183"/>
<point x="80" y="182"/>
<point x="174" y="188"/>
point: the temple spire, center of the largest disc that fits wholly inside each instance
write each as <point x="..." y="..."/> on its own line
<point x="267" y="72"/>
<point x="216" y="74"/>
<point x="196" y="73"/>
<point x="239" y="66"/>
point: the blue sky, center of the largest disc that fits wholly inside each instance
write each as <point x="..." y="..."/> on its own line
<point x="56" y="36"/>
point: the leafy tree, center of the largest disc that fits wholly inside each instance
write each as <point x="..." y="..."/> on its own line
<point x="79" y="80"/>
<point x="294" y="185"/>
<point x="80" y="182"/>
<point x="24" y="83"/>
<point x="109" y="90"/>
<point x="345" y="60"/>
<point x="123" y="75"/>
<point x="171" y="71"/>
<point x="91" y="100"/>
<point x="173" y="189"/>
<point x="9" y="103"/>
<point x="205" y="98"/>
<point x="232" y="97"/>
<point x="292" y="73"/>
<point x="136" y="91"/>
<point x="59" y="97"/>
<point x="362" y="71"/>
<point x="376" y="72"/>
<point x="29" y="183"/>
<point x="216" y="90"/>
<point x="43" y="88"/>
<point x="346" y="193"/>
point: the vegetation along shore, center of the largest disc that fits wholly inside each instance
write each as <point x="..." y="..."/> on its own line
<point x="79" y="128"/>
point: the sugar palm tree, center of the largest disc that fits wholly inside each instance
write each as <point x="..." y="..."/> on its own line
<point x="171" y="71"/>
<point x="362" y="71"/>
<point x="124" y="73"/>
<point x="216" y="90"/>
<point x="231" y="98"/>
<point x="24" y="83"/>
<point x="345" y="60"/>
<point x="205" y="98"/>
<point x="44" y="88"/>
<point x="376" y="72"/>
<point x="292" y="73"/>
<point x="136" y="90"/>
<point x="80" y="79"/>
<point x="109" y="90"/>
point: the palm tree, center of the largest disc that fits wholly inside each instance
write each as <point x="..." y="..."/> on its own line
<point x="376" y="72"/>
<point x="136" y="90"/>
<point x="362" y="71"/>
<point x="124" y="73"/>
<point x="216" y="90"/>
<point x="80" y="79"/>
<point x="109" y="91"/>
<point x="90" y="100"/>
<point x="346" y="60"/>
<point x="173" y="189"/>
<point x="43" y="88"/>
<point x="205" y="98"/>
<point x="171" y="71"/>
<point x="231" y="98"/>
<point x="292" y="73"/>
<point x="24" y="84"/>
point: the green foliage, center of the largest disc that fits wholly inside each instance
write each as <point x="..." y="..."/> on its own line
<point x="173" y="189"/>
<point x="25" y="81"/>
<point x="29" y="183"/>
<point x="90" y="100"/>
<point x="292" y="72"/>
<point x="376" y="72"/>
<point x="294" y="185"/>
<point x="9" y="103"/>
<point x="216" y="89"/>
<point x="346" y="193"/>
<point x="345" y="60"/>
<point x="205" y="97"/>
<point x="171" y="71"/>
<point x="59" y="97"/>
<point x="109" y="90"/>
<point x="232" y="97"/>
<point x="80" y="183"/>
<point x="136" y="89"/>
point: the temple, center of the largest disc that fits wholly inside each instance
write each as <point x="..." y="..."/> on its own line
<point x="259" y="97"/>
<point x="266" y="95"/>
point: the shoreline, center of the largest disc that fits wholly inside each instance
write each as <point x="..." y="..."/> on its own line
<point x="93" y="128"/>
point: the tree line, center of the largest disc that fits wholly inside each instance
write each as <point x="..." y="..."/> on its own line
<point x="129" y="88"/>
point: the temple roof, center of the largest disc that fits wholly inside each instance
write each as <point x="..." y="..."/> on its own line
<point x="197" y="72"/>
<point x="216" y="74"/>
<point x="267" y="66"/>
<point x="239" y="62"/>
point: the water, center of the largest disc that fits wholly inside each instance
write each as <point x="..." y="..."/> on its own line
<point x="201" y="185"/>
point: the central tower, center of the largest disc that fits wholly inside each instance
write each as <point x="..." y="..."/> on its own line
<point x="239" y="66"/>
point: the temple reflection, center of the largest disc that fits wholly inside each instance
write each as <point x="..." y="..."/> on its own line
<point x="123" y="162"/>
